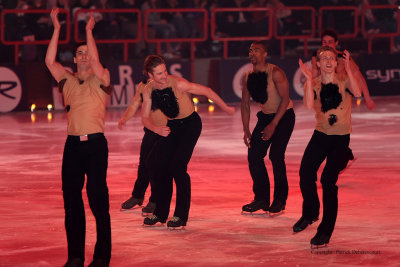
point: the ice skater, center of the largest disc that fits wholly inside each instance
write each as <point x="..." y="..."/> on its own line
<point x="267" y="84"/>
<point x="330" y="96"/>
<point x="86" y="149"/>
<point x="170" y="157"/>
<point x="329" y="37"/>
<point x="149" y="139"/>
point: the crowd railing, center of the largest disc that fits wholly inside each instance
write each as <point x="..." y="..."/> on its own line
<point x="307" y="32"/>
<point x="325" y="11"/>
<point x="391" y="34"/>
<point x="175" y="39"/>
<point x="11" y="14"/>
<point x="124" y="41"/>
<point x="225" y="38"/>
<point x="209" y="21"/>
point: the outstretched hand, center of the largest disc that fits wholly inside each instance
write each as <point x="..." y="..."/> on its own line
<point x="121" y="124"/>
<point x="54" y="18"/>
<point x="91" y="22"/>
<point x="306" y="70"/>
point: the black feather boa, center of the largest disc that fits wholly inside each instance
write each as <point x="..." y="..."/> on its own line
<point x="166" y="101"/>
<point x="257" y="83"/>
<point x="330" y="97"/>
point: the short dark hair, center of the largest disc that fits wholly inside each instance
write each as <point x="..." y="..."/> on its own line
<point x="329" y="32"/>
<point x="78" y="45"/>
<point x="263" y="44"/>
<point x="151" y="62"/>
<point x="323" y="49"/>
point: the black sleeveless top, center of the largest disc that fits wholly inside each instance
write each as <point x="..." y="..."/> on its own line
<point x="257" y="83"/>
<point x="166" y="101"/>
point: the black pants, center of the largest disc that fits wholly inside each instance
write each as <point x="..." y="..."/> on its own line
<point x="333" y="148"/>
<point x="90" y="158"/>
<point x="143" y="177"/>
<point x="258" y="151"/>
<point x="169" y="162"/>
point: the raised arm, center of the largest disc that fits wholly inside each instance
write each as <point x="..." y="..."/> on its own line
<point x="314" y="67"/>
<point x="245" y="112"/>
<point x="55" y="68"/>
<point x="199" y="89"/>
<point x="101" y="73"/>
<point x="354" y="85"/>
<point x="364" y="90"/>
<point x="308" y="97"/>
<point x="133" y="107"/>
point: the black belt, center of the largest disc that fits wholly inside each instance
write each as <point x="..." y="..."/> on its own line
<point x="85" y="137"/>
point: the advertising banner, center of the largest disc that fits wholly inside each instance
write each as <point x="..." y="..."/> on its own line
<point x="12" y="94"/>
<point x="381" y="72"/>
<point x="233" y="71"/>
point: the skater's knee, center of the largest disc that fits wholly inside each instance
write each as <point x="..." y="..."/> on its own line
<point x="329" y="182"/>
<point x="276" y="157"/>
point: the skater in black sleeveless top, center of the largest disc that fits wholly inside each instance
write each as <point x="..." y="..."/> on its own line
<point x="267" y="85"/>
<point x="330" y="96"/>
<point x="170" y="156"/>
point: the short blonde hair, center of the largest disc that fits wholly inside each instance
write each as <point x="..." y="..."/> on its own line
<point x="324" y="49"/>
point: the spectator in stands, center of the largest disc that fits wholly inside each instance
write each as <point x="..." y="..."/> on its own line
<point x="209" y="47"/>
<point x="128" y="21"/>
<point x="38" y="28"/>
<point x="160" y="28"/>
<point x="195" y="19"/>
<point x="235" y="23"/>
<point x="128" y="25"/>
<point x="259" y="19"/>
<point x="177" y="19"/>
<point x="82" y="18"/>
<point x="381" y="20"/>
<point x="39" y="22"/>
<point x="287" y="23"/>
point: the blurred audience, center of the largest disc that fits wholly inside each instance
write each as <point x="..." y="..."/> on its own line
<point x="167" y="25"/>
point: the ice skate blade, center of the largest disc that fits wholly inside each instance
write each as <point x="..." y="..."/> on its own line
<point x="319" y="246"/>
<point x="255" y="213"/>
<point x="276" y="214"/>
<point x="156" y="225"/>
<point x="146" y="214"/>
<point x="180" y="228"/>
<point x="130" y="210"/>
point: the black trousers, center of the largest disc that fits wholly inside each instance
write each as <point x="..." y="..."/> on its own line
<point x="169" y="160"/>
<point x="333" y="148"/>
<point x="90" y="158"/>
<point x="258" y="151"/>
<point x="143" y="176"/>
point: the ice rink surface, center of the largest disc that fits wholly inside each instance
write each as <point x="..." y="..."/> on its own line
<point x="367" y="231"/>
